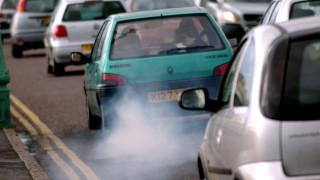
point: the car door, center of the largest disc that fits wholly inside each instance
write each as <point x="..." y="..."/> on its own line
<point x="92" y="71"/>
<point x="216" y="137"/>
<point x="234" y="130"/>
<point x="229" y="122"/>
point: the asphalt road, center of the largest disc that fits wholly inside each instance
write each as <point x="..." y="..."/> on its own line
<point x="66" y="149"/>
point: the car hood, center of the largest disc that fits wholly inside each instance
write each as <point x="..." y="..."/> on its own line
<point x="246" y="8"/>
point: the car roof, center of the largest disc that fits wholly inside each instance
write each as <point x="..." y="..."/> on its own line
<point x="294" y="28"/>
<point x="158" y="13"/>
<point x="81" y="1"/>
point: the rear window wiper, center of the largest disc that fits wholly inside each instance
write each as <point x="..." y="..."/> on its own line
<point x="186" y="49"/>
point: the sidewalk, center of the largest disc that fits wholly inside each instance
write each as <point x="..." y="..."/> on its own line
<point x="16" y="162"/>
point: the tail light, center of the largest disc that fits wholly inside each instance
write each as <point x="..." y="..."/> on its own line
<point x="20" y="7"/>
<point x="220" y="70"/>
<point x="113" y="80"/>
<point x="1" y="15"/>
<point x="60" y="31"/>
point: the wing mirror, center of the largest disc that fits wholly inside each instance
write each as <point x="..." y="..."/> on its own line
<point x="198" y="99"/>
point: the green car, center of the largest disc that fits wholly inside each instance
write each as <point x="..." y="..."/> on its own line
<point x="150" y="57"/>
<point x="4" y="92"/>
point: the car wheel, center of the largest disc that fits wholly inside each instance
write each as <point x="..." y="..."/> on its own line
<point x="200" y="170"/>
<point x="95" y="122"/>
<point x="50" y="68"/>
<point x="58" y="69"/>
<point x="17" y="51"/>
<point x="107" y="117"/>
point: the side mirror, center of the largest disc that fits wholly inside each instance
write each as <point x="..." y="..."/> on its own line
<point x="193" y="99"/>
<point x="78" y="58"/>
<point x="198" y="99"/>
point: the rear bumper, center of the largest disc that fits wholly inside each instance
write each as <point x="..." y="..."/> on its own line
<point x="118" y="97"/>
<point x="62" y="53"/>
<point x="268" y="170"/>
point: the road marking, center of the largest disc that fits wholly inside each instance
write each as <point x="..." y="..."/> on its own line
<point x="46" y="146"/>
<point x="59" y="143"/>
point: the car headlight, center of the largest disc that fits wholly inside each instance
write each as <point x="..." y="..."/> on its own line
<point x="228" y="16"/>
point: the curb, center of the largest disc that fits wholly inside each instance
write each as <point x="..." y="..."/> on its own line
<point x="35" y="169"/>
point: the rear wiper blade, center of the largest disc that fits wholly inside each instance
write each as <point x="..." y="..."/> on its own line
<point x="183" y="49"/>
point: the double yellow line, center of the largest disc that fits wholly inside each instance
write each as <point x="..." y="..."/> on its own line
<point x="47" y="135"/>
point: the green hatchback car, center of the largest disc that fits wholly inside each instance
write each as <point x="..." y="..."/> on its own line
<point x="150" y="57"/>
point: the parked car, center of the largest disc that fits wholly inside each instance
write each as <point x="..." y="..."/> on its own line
<point x="284" y="10"/>
<point x="143" y="5"/>
<point x="266" y="118"/>
<point x="74" y="27"/>
<point x="151" y="56"/>
<point x="237" y="16"/>
<point x="7" y="9"/>
<point x="4" y="93"/>
<point x="29" y="24"/>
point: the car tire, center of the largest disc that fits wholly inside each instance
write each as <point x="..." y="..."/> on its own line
<point x="58" y="69"/>
<point x="94" y="122"/>
<point x="17" y="51"/>
<point x="50" y="68"/>
<point x="200" y="170"/>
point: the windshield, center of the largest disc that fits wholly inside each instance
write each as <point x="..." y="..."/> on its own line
<point x="40" y="5"/>
<point x="165" y="36"/>
<point x="91" y="10"/>
<point x="249" y="1"/>
<point x="142" y="5"/>
<point x="9" y="4"/>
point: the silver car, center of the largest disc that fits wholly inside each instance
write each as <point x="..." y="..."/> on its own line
<point x="74" y="27"/>
<point x="267" y="120"/>
<point x="29" y="24"/>
<point x="7" y="9"/>
<point x="284" y="10"/>
<point x="237" y="16"/>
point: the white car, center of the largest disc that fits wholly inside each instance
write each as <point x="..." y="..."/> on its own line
<point x="7" y="9"/>
<point x="237" y="16"/>
<point x="266" y="121"/>
<point x="74" y="27"/>
<point x="284" y="10"/>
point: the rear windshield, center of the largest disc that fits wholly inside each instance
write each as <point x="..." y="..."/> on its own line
<point x="304" y="9"/>
<point x="9" y="4"/>
<point x="142" y="5"/>
<point x="92" y="10"/>
<point x="165" y="36"/>
<point x="40" y="5"/>
<point x="302" y="85"/>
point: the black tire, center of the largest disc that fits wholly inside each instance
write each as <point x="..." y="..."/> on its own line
<point x="58" y="69"/>
<point x="17" y="51"/>
<point x="95" y="122"/>
<point x="200" y="170"/>
<point x="50" y="68"/>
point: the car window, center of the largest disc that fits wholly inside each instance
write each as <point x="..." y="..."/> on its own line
<point x="165" y="36"/>
<point x="9" y="4"/>
<point x="91" y="10"/>
<point x="142" y="5"/>
<point x="40" y="5"/>
<point x="304" y="9"/>
<point x="97" y="47"/>
<point x="275" y="13"/>
<point x="268" y="12"/>
<point x="249" y="1"/>
<point x="245" y="76"/>
<point x="302" y="86"/>
<point x="226" y="91"/>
